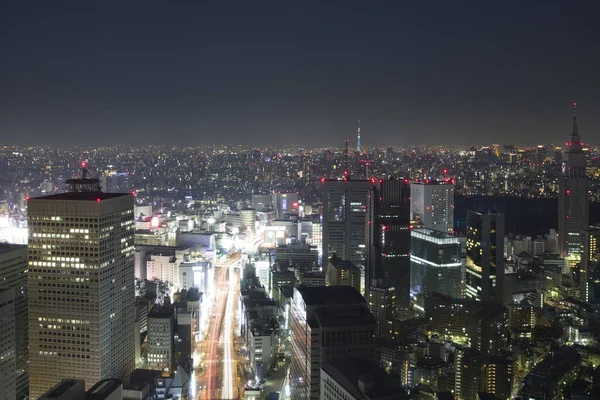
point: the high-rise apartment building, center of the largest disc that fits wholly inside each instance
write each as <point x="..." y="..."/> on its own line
<point x="344" y="210"/>
<point x="432" y="204"/>
<point x="327" y="323"/>
<point x="436" y="265"/>
<point x="388" y="237"/>
<point x="573" y="198"/>
<point x="484" y="272"/>
<point x="81" y="281"/>
<point x="13" y="277"/>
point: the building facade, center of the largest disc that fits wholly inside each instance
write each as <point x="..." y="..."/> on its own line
<point x="81" y="280"/>
<point x="161" y="332"/>
<point x="432" y="204"/>
<point x="8" y="348"/>
<point x="344" y="211"/>
<point x="13" y="277"/>
<point x="343" y="273"/>
<point x="590" y="256"/>
<point x="436" y="265"/>
<point x="388" y="237"/>
<point x="327" y="323"/>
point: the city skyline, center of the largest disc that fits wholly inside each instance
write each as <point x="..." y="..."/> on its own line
<point x="275" y="73"/>
<point x="339" y="200"/>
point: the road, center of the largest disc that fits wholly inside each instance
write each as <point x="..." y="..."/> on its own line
<point x="229" y="364"/>
<point x="218" y="378"/>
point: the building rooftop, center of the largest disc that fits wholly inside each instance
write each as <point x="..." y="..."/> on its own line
<point x="343" y="264"/>
<point x="82" y="196"/>
<point x="340" y="316"/>
<point x="491" y="310"/>
<point x="103" y="389"/>
<point x="330" y="295"/>
<point x="66" y="385"/>
<point x="161" y="311"/>
<point x="433" y="182"/>
<point x="9" y="247"/>
<point x="349" y="371"/>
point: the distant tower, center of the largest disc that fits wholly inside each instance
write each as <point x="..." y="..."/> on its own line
<point x="358" y="140"/>
<point x="346" y="162"/>
<point x="573" y="207"/>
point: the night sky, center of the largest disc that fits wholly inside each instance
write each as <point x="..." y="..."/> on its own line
<point x="298" y="72"/>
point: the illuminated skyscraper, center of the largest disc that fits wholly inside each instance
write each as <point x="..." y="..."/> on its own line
<point x="484" y="273"/>
<point x="388" y="237"/>
<point x="81" y="280"/>
<point x="344" y="211"/>
<point x="432" y="204"/>
<point x="573" y="203"/>
<point x="435" y="265"/>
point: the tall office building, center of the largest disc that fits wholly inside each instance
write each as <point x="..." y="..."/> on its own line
<point x="589" y="260"/>
<point x="13" y="277"/>
<point x="8" y="351"/>
<point x="484" y="273"/>
<point x="388" y="237"/>
<point x="436" y="265"/>
<point x="328" y="323"/>
<point x="432" y="204"/>
<point x="81" y="280"/>
<point x="344" y="210"/>
<point x="573" y="203"/>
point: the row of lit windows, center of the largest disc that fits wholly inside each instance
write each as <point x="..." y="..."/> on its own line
<point x="51" y="235"/>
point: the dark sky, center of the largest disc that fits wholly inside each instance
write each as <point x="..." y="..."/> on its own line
<point x="298" y="71"/>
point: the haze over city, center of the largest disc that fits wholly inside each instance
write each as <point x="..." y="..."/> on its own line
<point x="272" y="72"/>
<point x="340" y="200"/>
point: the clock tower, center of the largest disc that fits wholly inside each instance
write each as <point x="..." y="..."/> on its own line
<point x="573" y="202"/>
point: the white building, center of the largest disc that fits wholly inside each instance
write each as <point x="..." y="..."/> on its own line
<point x="262" y="346"/>
<point x="263" y="273"/>
<point x="164" y="268"/>
<point x="198" y="274"/>
<point x="432" y="204"/>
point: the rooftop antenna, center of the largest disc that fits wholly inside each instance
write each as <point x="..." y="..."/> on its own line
<point x="575" y="119"/>
<point x="358" y="141"/>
